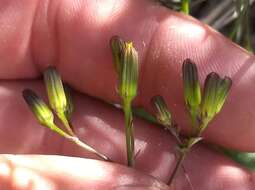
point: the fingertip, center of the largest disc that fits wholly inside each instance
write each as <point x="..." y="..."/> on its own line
<point x="59" y="172"/>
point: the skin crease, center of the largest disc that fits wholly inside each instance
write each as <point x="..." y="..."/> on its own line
<point x="74" y="36"/>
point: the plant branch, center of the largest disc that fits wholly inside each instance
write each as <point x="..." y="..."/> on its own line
<point x="177" y="166"/>
<point x="78" y="142"/>
<point x="81" y="144"/>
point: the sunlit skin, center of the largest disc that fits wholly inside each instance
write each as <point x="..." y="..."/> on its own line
<point x="74" y="35"/>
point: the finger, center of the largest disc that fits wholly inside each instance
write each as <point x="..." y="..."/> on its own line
<point x="101" y="126"/>
<point x="16" y="18"/>
<point x="96" y="123"/>
<point x="55" y="173"/>
<point x="75" y="35"/>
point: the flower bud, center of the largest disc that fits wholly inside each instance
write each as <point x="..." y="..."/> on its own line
<point x="118" y="46"/>
<point x="55" y="90"/>
<point x="215" y="94"/>
<point x="38" y="107"/>
<point x="162" y="113"/>
<point x="192" y="92"/>
<point x="57" y="97"/>
<point x="129" y="75"/>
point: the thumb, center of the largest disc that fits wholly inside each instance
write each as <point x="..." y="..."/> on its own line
<point x="62" y="173"/>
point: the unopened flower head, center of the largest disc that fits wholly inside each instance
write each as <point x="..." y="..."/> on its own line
<point x="192" y="92"/>
<point x="41" y="111"/>
<point x="129" y="75"/>
<point x="162" y="113"/>
<point x="118" y="46"/>
<point x="55" y="90"/>
<point x="69" y="102"/>
<point x="216" y="90"/>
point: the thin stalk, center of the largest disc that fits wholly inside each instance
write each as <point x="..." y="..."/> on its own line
<point x="81" y="144"/>
<point x="194" y="120"/>
<point x="78" y="142"/>
<point x="187" y="148"/>
<point x="183" y="152"/>
<point x="59" y="131"/>
<point x="129" y="132"/>
<point x="177" y="166"/>
<point x="185" y="6"/>
<point x="175" y="133"/>
<point x="188" y="178"/>
<point x="66" y="123"/>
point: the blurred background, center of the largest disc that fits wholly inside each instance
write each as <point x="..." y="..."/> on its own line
<point x="234" y="18"/>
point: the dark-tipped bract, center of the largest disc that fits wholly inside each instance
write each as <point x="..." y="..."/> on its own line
<point x="39" y="108"/>
<point x="57" y="96"/>
<point x="192" y="92"/>
<point x="162" y="112"/>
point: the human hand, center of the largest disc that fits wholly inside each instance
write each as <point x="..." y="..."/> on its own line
<point x="74" y="36"/>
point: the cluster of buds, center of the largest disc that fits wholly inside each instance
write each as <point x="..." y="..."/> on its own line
<point x="203" y="110"/>
<point x="202" y="106"/>
<point x="61" y="104"/>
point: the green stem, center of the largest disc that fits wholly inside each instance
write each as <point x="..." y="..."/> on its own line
<point x="66" y="123"/>
<point x="56" y="129"/>
<point x="177" y="166"/>
<point x="185" y="6"/>
<point x="77" y="141"/>
<point x="194" y="115"/>
<point x="174" y="132"/>
<point x="129" y="132"/>
<point x="186" y="147"/>
<point x="81" y="144"/>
